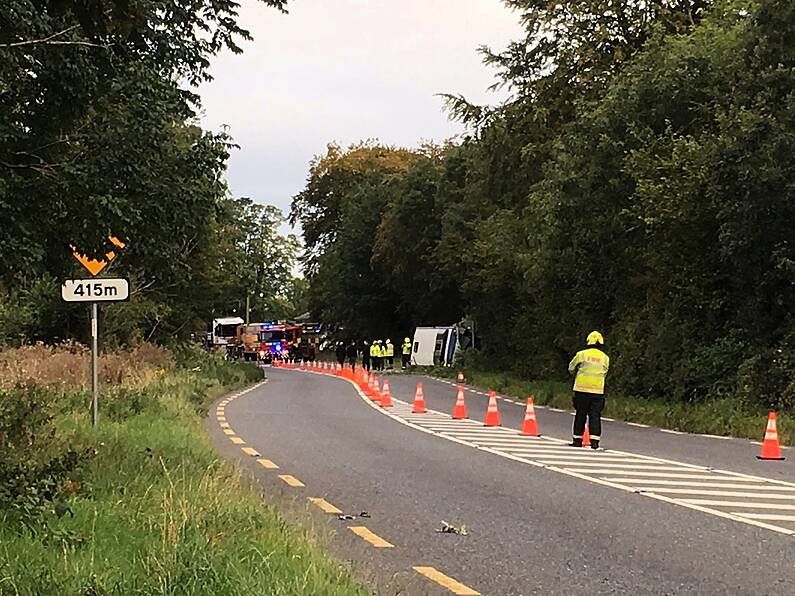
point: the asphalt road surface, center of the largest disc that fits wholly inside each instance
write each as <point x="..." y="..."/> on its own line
<point x="656" y="513"/>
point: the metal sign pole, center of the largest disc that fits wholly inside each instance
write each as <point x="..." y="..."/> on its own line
<point x="94" y="371"/>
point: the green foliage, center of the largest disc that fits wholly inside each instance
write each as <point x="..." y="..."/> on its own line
<point x="35" y="478"/>
<point x="148" y="508"/>
<point x="635" y="183"/>
<point x="98" y="137"/>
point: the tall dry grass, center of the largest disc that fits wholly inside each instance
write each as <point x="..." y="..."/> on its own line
<point x="69" y="365"/>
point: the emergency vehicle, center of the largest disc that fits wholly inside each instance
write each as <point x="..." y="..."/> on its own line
<point x="275" y="340"/>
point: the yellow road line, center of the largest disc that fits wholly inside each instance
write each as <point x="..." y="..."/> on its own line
<point x="229" y="431"/>
<point x="224" y="424"/>
<point x="268" y="464"/>
<point x="250" y="451"/>
<point x="445" y="581"/>
<point x="221" y="418"/>
<point x="324" y="505"/>
<point x="291" y="480"/>
<point x="237" y="440"/>
<point x="365" y="534"/>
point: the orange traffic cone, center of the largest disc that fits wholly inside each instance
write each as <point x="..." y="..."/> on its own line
<point x="586" y="437"/>
<point x="375" y="388"/>
<point x="770" y="446"/>
<point x="386" y="397"/>
<point x="460" y="409"/>
<point x="530" y="426"/>
<point x="419" y="401"/>
<point x="492" y="413"/>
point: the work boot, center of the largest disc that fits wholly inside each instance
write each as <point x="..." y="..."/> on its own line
<point x="594" y="444"/>
<point x="576" y="442"/>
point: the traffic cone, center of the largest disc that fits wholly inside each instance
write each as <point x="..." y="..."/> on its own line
<point x="492" y="413"/>
<point x="460" y="409"/>
<point x="586" y="437"/>
<point x="419" y="401"/>
<point x="770" y="446"/>
<point x="375" y="386"/>
<point x="386" y="397"/>
<point x="530" y="425"/>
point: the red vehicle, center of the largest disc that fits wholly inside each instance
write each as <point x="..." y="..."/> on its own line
<point x="275" y="340"/>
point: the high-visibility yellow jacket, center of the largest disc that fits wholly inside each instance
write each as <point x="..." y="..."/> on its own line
<point x="382" y="351"/>
<point x="406" y="348"/>
<point x="390" y="350"/>
<point x="591" y="366"/>
<point x="374" y="351"/>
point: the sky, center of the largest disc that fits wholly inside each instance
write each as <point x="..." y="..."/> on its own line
<point x="343" y="71"/>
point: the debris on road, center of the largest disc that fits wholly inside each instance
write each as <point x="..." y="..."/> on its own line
<point x="348" y="516"/>
<point x="447" y="528"/>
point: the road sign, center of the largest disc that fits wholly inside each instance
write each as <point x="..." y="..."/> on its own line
<point x="95" y="290"/>
<point x="92" y="265"/>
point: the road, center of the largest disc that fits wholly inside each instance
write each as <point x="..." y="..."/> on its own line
<point x="656" y="513"/>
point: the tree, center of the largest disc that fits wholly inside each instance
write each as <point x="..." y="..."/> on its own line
<point x="98" y="138"/>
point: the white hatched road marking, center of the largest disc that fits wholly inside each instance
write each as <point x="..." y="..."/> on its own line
<point x="661" y="479"/>
<point x="769" y="516"/>
<point x="728" y="484"/>
<point x="718" y="493"/>
<point x="735" y="504"/>
<point x="682" y="476"/>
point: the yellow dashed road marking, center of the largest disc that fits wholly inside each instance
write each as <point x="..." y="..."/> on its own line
<point x="229" y="431"/>
<point x="268" y="464"/>
<point x="237" y="440"/>
<point x="324" y="505"/>
<point x="365" y="534"/>
<point x="291" y="480"/>
<point x="250" y="451"/>
<point x="445" y="581"/>
<point x="221" y="418"/>
<point x="224" y="424"/>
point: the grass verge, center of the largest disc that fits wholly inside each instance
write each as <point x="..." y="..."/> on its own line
<point x="724" y="417"/>
<point x="143" y="505"/>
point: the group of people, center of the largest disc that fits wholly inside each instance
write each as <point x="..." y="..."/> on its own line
<point x="376" y="355"/>
<point x="589" y="367"/>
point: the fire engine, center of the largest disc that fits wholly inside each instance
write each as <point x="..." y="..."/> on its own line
<point x="275" y="340"/>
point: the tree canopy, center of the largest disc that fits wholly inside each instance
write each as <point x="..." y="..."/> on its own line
<point x="99" y="138"/>
<point x="638" y="181"/>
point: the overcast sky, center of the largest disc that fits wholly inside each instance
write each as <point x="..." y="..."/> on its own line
<point x="346" y="70"/>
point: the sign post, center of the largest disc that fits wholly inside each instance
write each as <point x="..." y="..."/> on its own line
<point x="94" y="291"/>
<point x="94" y="367"/>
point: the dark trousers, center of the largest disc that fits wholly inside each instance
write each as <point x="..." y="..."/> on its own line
<point x="406" y="360"/>
<point x="376" y="362"/>
<point x="366" y="362"/>
<point x="352" y="362"/>
<point x="588" y="406"/>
